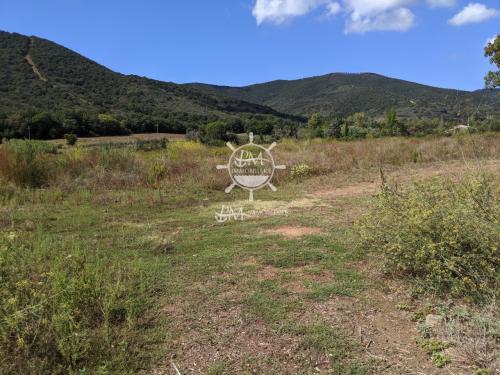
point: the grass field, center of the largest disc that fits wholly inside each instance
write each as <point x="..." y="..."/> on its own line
<point x="116" y="265"/>
<point x="86" y="141"/>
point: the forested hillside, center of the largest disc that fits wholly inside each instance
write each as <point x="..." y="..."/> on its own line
<point x="53" y="90"/>
<point x="344" y="94"/>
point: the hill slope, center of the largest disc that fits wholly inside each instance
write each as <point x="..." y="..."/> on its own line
<point x="344" y="94"/>
<point x="37" y="74"/>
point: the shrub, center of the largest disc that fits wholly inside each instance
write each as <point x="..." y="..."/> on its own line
<point x="151" y="144"/>
<point x="443" y="233"/>
<point x="300" y="171"/>
<point x="70" y="139"/>
<point x="440" y="359"/>
<point x="27" y="163"/>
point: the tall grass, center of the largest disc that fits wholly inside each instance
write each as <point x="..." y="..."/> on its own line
<point x="66" y="307"/>
<point x="188" y="164"/>
<point x="27" y="163"/>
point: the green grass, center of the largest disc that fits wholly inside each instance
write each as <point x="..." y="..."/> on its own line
<point x="125" y="260"/>
<point x="270" y="302"/>
<point x="115" y="280"/>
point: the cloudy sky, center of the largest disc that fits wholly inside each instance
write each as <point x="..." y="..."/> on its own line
<point x="238" y="42"/>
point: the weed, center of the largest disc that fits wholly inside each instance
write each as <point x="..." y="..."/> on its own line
<point x="402" y="306"/>
<point x="300" y="171"/>
<point x="440" y="359"/>
<point x="432" y="346"/>
<point x="424" y="330"/>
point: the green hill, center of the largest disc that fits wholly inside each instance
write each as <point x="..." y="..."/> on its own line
<point x="344" y="94"/>
<point x="39" y="75"/>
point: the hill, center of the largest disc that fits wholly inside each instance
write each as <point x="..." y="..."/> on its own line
<point x="39" y="75"/>
<point x="341" y="93"/>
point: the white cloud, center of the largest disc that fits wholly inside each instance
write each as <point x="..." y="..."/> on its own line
<point x="333" y="8"/>
<point x="441" y="3"/>
<point x="362" y="15"/>
<point x="473" y="13"/>
<point x="400" y="19"/>
<point x="375" y="7"/>
<point x="279" y="11"/>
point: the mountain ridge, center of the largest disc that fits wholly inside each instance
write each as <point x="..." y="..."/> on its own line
<point x="73" y="82"/>
<point x="340" y="93"/>
<point x="68" y="81"/>
<point x="332" y="73"/>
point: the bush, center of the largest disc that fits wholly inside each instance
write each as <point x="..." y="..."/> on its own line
<point x="445" y="234"/>
<point x="70" y="139"/>
<point x="300" y="171"/>
<point x="151" y="144"/>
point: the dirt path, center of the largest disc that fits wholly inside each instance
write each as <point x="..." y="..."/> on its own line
<point x="219" y="331"/>
<point x="453" y="170"/>
<point x="32" y="64"/>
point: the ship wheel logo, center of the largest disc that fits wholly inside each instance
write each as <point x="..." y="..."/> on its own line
<point x="251" y="167"/>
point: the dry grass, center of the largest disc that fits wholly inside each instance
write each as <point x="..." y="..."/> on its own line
<point x="218" y="302"/>
<point x="190" y="164"/>
<point x="473" y="334"/>
<point x="124" y="138"/>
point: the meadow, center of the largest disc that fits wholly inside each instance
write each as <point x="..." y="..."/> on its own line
<point x="374" y="256"/>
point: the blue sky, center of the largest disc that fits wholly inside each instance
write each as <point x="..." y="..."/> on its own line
<point x="239" y="42"/>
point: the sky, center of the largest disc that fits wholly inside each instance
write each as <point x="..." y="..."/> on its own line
<point x="241" y="42"/>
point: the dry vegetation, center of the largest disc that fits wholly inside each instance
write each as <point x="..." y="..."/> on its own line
<point x="187" y="163"/>
<point x="111" y="261"/>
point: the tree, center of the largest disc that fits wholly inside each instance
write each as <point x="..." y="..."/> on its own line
<point x="108" y="125"/>
<point x="358" y="119"/>
<point x="315" y="126"/>
<point x="492" y="50"/>
<point x="392" y="121"/>
<point x="335" y="130"/>
<point x="44" y="126"/>
<point x="216" y="131"/>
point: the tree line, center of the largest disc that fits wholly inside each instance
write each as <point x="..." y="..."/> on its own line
<point x="32" y="124"/>
<point x="359" y="125"/>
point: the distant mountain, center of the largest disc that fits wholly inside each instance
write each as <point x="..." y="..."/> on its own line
<point x="341" y="93"/>
<point x="37" y="74"/>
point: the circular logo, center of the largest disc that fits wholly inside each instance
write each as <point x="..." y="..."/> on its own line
<point x="251" y="167"/>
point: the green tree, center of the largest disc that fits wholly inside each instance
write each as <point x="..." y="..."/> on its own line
<point x="492" y="50"/>
<point x="315" y="126"/>
<point x="216" y="131"/>
<point x="335" y="130"/>
<point x="358" y="119"/>
<point x="44" y="126"/>
<point x="391" y="121"/>
<point x="108" y="125"/>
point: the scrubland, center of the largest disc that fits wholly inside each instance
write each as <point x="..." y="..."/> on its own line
<point x="111" y="260"/>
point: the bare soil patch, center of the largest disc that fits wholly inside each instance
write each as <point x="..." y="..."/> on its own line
<point x="370" y="184"/>
<point x="294" y="232"/>
<point x="387" y="334"/>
